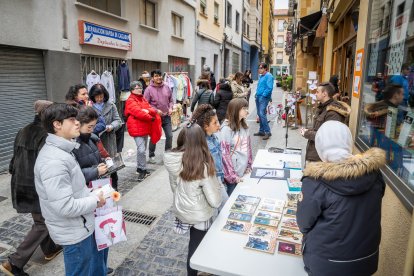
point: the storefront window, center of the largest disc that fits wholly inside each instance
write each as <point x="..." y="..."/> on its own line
<point x="387" y="108"/>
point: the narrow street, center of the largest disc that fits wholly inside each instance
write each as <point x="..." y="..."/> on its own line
<point x="150" y="250"/>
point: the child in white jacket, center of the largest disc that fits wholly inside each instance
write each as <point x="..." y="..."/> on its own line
<point x="194" y="184"/>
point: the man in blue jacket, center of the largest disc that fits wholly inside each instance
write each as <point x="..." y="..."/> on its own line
<point x="263" y="96"/>
<point x="403" y="81"/>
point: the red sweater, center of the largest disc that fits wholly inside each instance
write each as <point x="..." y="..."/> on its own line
<point x="142" y="118"/>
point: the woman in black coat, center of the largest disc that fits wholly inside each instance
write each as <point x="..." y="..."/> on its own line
<point x="339" y="210"/>
<point x="88" y="154"/>
<point x="222" y="98"/>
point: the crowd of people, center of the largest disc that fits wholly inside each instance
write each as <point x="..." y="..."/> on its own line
<point x="69" y="144"/>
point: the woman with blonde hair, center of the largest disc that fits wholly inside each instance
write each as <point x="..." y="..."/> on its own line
<point x="237" y="86"/>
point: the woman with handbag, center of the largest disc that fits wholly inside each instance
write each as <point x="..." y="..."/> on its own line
<point x="100" y="98"/>
<point x="235" y="144"/>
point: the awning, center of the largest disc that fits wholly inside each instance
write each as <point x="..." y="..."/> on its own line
<point x="309" y="23"/>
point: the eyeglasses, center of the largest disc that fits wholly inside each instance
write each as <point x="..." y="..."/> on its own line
<point x="138" y="88"/>
<point x="245" y="108"/>
<point x="260" y="67"/>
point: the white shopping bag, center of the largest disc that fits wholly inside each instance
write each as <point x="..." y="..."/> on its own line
<point x="271" y="109"/>
<point x="109" y="227"/>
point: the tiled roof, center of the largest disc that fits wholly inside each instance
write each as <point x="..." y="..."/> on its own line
<point x="280" y="12"/>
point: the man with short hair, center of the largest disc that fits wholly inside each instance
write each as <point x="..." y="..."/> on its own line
<point x="66" y="203"/>
<point x="29" y="140"/>
<point x="403" y="81"/>
<point x="328" y="109"/>
<point x="263" y="96"/>
<point x="376" y="112"/>
<point x="159" y="96"/>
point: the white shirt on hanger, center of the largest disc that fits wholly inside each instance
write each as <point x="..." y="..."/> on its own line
<point x="91" y="79"/>
<point x="107" y="80"/>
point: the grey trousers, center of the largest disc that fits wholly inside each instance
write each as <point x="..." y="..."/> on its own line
<point x="38" y="235"/>
<point x="141" y="142"/>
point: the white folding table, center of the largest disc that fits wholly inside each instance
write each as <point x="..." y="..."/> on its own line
<point x="223" y="253"/>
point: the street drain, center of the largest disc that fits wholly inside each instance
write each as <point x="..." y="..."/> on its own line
<point x="139" y="218"/>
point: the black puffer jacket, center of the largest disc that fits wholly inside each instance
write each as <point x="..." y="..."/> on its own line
<point x="88" y="156"/>
<point x="29" y="140"/>
<point x="339" y="215"/>
<point x="223" y="96"/>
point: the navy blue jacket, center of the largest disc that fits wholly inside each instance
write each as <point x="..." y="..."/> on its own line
<point x="339" y="215"/>
<point x="88" y="156"/>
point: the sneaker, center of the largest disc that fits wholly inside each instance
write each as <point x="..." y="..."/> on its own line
<point x="141" y="175"/>
<point x="12" y="270"/>
<point x="51" y="256"/>
<point x="152" y="160"/>
<point x="259" y="134"/>
<point x="110" y="270"/>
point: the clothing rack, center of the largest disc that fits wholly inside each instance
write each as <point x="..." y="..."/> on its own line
<point x="173" y="73"/>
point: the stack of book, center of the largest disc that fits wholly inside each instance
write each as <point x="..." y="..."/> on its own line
<point x="289" y="237"/>
<point x="274" y="223"/>
<point x="263" y="234"/>
<point x="294" y="184"/>
<point x="241" y="213"/>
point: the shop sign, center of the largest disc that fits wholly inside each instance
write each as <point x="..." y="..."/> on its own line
<point x="356" y="87"/>
<point x="93" y="34"/>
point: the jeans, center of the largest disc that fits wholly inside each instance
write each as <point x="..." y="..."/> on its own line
<point x="38" y="235"/>
<point x="196" y="236"/>
<point x="167" y="127"/>
<point x="261" y="105"/>
<point x="141" y="142"/>
<point x="83" y="258"/>
<point x="230" y="188"/>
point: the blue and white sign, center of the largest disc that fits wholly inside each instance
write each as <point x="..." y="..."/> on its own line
<point x="93" y="34"/>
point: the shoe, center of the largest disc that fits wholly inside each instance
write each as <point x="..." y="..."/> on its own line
<point x="110" y="270"/>
<point x="141" y="175"/>
<point x="152" y="160"/>
<point x="51" y="256"/>
<point x="266" y="136"/>
<point x="259" y="134"/>
<point x="12" y="270"/>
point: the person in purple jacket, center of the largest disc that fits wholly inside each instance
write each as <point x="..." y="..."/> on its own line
<point x="159" y="96"/>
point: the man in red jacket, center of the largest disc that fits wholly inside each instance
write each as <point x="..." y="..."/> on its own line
<point x="142" y="121"/>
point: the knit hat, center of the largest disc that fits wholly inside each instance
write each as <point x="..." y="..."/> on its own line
<point x="135" y="84"/>
<point x="333" y="142"/>
<point x="206" y="67"/>
<point x="41" y="105"/>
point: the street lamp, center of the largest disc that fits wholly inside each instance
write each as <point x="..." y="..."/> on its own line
<point x="285" y="24"/>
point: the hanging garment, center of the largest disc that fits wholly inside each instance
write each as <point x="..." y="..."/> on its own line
<point x="123" y="77"/>
<point x="182" y="88"/>
<point x="107" y="80"/>
<point x="92" y="79"/>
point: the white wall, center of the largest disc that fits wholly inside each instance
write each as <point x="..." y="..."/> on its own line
<point x="39" y="24"/>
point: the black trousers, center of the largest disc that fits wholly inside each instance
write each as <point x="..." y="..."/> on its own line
<point x="196" y="236"/>
<point x="38" y="235"/>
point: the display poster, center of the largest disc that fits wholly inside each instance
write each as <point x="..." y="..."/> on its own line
<point x="356" y="87"/>
<point x="406" y="130"/>
<point x="312" y="75"/>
